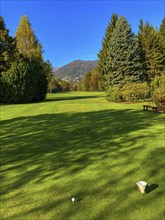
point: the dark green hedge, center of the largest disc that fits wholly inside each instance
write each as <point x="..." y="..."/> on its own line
<point x="24" y="82"/>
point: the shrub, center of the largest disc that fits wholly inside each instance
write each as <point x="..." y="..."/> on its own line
<point x="65" y="86"/>
<point x="158" y="91"/>
<point x="24" y="82"/>
<point x="134" y="92"/>
<point x="114" y="94"/>
<point x="130" y="92"/>
<point x="159" y="97"/>
<point x="157" y="82"/>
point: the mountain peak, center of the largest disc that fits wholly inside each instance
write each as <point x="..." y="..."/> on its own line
<point x="75" y="70"/>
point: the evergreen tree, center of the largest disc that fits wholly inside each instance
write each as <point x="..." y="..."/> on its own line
<point x="24" y="82"/>
<point x="86" y="82"/>
<point x="123" y="61"/>
<point x="27" y="43"/>
<point x="141" y="51"/>
<point x="103" y="53"/>
<point x="162" y="42"/>
<point x="158" y="56"/>
<point x="24" y="73"/>
<point x="7" y="47"/>
<point x="48" y="68"/>
<point x="162" y="28"/>
<point x="95" y="80"/>
<point x="152" y="48"/>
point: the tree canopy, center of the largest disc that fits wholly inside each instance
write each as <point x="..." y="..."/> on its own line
<point x="152" y="50"/>
<point x="27" y="43"/>
<point x="22" y="69"/>
<point x="7" y="47"/>
<point x="103" y="53"/>
<point x="123" y="60"/>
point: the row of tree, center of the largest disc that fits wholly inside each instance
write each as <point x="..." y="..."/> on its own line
<point x="90" y="82"/>
<point x="23" y="72"/>
<point x="125" y="58"/>
<point x="24" y="75"/>
<point x="128" y="58"/>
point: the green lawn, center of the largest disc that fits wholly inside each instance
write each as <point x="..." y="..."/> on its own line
<point x="79" y="145"/>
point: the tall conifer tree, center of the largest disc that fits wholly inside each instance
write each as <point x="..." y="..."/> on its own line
<point x="103" y="53"/>
<point x="7" y="47"/>
<point x="25" y="80"/>
<point x="27" y="43"/>
<point x="123" y="61"/>
<point x="141" y="51"/>
<point x="152" y="48"/>
<point x="162" y="41"/>
<point x="162" y="28"/>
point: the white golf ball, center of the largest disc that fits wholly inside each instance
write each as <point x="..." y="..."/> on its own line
<point x="73" y="199"/>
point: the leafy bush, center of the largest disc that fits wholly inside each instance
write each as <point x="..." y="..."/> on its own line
<point x="130" y="92"/>
<point x="158" y="91"/>
<point x="159" y="97"/>
<point x="114" y="94"/>
<point x="157" y="82"/>
<point x="134" y="92"/>
<point x="24" y="82"/>
<point x="64" y="86"/>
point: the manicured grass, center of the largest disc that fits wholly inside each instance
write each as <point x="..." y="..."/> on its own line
<point x="79" y="145"/>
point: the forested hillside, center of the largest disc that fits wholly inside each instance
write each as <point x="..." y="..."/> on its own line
<point x="75" y="70"/>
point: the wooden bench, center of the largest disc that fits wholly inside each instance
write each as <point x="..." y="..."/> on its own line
<point x="147" y="107"/>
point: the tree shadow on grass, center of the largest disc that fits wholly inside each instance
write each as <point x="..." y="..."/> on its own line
<point x="67" y="98"/>
<point x="53" y="146"/>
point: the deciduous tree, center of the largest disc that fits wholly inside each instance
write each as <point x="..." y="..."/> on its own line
<point x="27" y="43"/>
<point x="86" y="82"/>
<point x="95" y="80"/>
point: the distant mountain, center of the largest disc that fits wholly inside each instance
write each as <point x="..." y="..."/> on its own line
<point x="75" y="70"/>
<point x="56" y="68"/>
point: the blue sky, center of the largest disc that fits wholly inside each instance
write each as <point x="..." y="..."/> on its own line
<point x="71" y="30"/>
